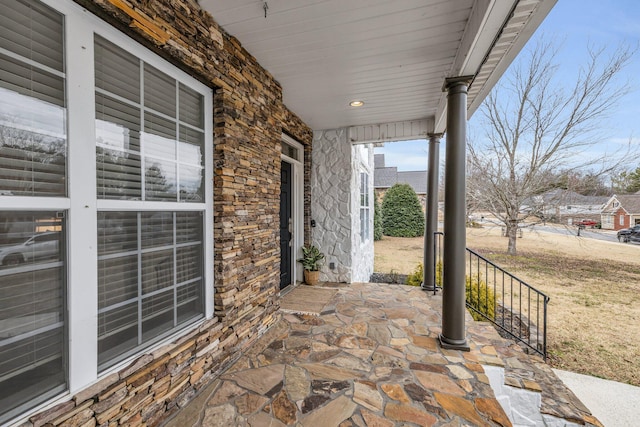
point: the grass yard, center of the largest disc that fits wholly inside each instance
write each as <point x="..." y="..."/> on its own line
<point x="594" y="312"/>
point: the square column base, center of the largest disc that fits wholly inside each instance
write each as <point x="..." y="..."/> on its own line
<point x="448" y="346"/>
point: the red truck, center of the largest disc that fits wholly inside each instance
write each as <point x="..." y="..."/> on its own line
<point x="586" y="223"/>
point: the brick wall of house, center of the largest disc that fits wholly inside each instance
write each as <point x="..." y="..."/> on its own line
<point x="621" y="213"/>
<point x="249" y="118"/>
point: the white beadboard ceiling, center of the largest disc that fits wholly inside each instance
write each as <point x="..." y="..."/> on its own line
<point x="392" y="54"/>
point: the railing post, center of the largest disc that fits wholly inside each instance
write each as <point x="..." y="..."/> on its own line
<point x="453" y="334"/>
<point x="431" y="214"/>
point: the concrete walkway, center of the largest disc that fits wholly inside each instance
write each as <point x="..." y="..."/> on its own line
<point x="614" y="404"/>
<point x="372" y="359"/>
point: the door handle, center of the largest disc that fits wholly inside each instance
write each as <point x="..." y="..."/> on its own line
<point x="290" y="232"/>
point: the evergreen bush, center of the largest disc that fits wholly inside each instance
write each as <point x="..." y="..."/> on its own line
<point x="402" y="214"/>
<point x="480" y="297"/>
<point x="415" y="278"/>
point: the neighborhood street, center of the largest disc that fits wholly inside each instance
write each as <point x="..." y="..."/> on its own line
<point x="592" y="233"/>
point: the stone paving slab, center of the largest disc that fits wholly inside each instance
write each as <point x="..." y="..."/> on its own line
<point x="371" y="359"/>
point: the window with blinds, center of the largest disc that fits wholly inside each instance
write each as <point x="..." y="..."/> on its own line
<point x="33" y="143"/>
<point x="143" y="206"/>
<point x="149" y="131"/>
<point x="33" y="162"/>
<point x="32" y="307"/>
<point x="364" y="206"/>
<point x="149" y="147"/>
<point x="150" y="278"/>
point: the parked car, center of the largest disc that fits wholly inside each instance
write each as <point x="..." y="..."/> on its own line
<point x="586" y="223"/>
<point x="37" y="247"/>
<point x="627" y="235"/>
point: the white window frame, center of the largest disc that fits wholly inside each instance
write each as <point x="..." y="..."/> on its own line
<point x="297" y="203"/>
<point x="365" y="229"/>
<point x="82" y="203"/>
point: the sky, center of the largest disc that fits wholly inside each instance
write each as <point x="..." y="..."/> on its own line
<point x="575" y="24"/>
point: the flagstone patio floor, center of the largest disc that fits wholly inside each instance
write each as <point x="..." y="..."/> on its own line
<point x="372" y="359"/>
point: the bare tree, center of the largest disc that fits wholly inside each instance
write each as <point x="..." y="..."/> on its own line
<point x="535" y="127"/>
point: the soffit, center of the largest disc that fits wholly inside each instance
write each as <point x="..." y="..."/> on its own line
<point x="393" y="55"/>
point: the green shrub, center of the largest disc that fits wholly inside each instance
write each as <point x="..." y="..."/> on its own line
<point x="402" y="214"/>
<point x="415" y="278"/>
<point x="377" y="220"/>
<point x="480" y="297"/>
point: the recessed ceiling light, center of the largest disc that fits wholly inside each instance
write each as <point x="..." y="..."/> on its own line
<point x="356" y="103"/>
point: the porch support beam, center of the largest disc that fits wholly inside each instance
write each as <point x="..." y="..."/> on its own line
<point x="453" y="334"/>
<point x="431" y="213"/>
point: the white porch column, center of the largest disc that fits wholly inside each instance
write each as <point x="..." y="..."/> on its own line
<point x="453" y="295"/>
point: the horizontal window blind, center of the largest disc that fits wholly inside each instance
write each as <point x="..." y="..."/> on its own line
<point x="32" y="307"/>
<point x="150" y="269"/>
<point x="151" y="123"/>
<point x="33" y="31"/>
<point x="33" y="145"/>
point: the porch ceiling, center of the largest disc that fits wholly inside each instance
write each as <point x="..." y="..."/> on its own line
<point x="393" y="55"/>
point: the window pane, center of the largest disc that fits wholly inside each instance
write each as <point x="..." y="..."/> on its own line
<point x="33" y="31"/>
<point x="30" y="81"/>
<point x="117" y="149"/>
<point x="117" y="232"/>
<point x="191" y="184"/>
<point x="157" y="314"/>
<point x="117" y="332"/>
<point x="32" y="308"/>
<point x="190" y="301"/>
<point x="157" y="271"/>
<point x="191" y="107"/>
<point x="160" y="180"/>
<point x="159" y="137"/>
<point x="150" y="277"/>
<point x="189" y="263"/>
<point x="189" y="227"/>
<point x="33" y="144"/>
<point x="191" y="146"/>
<point x="157" y="229"/>
<point x="289" y="151"/>
<point x="117" y="71"/>
<point x="118" y="280"/>
<point x="159" y="91"/>
<point x="191" y="169"/>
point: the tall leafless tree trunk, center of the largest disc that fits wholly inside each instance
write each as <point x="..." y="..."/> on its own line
<point x="534" y="128"/>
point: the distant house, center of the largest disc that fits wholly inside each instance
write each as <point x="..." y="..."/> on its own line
<point x="565" y="206"/>
<point x="386" y="177"/>
<point x="621" y="212"/>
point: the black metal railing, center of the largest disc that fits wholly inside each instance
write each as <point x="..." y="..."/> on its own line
<point x="517" y="309"/>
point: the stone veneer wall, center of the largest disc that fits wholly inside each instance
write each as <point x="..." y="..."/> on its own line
<point x="249" y="119"/>
<point x="331" y="202"/>
<point x="335" y="180"/>
<point x="361" y="252"/>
